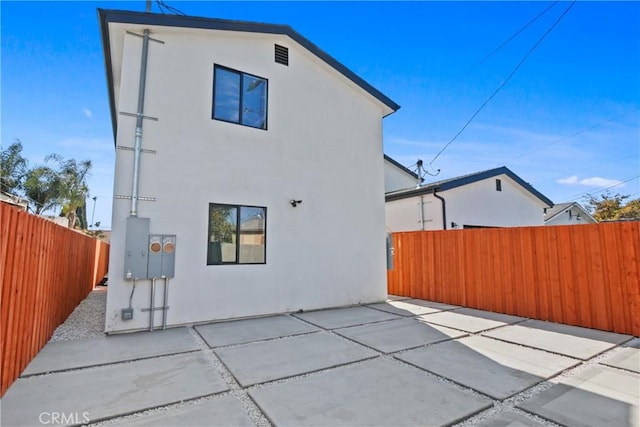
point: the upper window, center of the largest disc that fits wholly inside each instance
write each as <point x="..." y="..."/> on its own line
<point x="498" y="185"/>
<point x="237" y="234"/>
<point x="239" y="97"/>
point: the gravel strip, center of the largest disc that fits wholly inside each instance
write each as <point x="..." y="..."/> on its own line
<point x="87" y="320"/>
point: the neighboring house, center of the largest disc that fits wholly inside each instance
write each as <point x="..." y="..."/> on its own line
<point x="398" y="177"/>
<point x="17" y="201"/>
<point x="568" y="214"/>
<point x="260" y="172"/>
<point x="492" y="198"/>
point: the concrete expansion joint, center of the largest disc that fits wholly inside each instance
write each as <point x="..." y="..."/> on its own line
<point x="28" y="377"/>
<point x="238" y="392"/>
<point x="510" y="403"/>
<point x="220" y="347"/>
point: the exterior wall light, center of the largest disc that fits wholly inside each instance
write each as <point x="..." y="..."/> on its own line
<point x="295" y="203"/>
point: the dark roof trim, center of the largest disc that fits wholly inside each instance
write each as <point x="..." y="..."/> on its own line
<point x="401" y="167"/>
<point x="106" y="16"/>
<point x="465" y="180"/>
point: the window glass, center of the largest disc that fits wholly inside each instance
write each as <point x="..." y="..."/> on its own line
<point x="237" y="234"/>
<point x="226" y="100"/>
<point x="254" y="101"/>
<point x="222" y="234"/>
<point x="252" y="235"/>
<point x="239" y="98"/>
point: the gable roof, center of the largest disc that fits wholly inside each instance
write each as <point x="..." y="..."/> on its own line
<point x="107" y="16"/>
<point x="448" y="184"/>
<point x="559" y="208"/>
<point x="401" y="167"/>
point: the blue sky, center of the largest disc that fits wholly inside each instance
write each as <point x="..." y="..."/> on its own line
<point x="550" y="123"/>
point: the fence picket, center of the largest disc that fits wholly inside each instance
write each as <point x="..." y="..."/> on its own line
<point x="587" y="275"/>
<point x="47" y="270"/>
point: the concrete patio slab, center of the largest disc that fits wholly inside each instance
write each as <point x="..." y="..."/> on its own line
<point x="65" y="355"/>
<point x="628" y="358"/>
<point x="264" y="361"/>
<point x="110" y="391"/>
<point x="217" y="411"/>
<point x="412" y="307"/>
<point x="396" y="335"/>
<point x="573" y="341"/>
<point x="343" y="317"/>
<point x="598" y="396"/>
<point x="497" y="369"/>
<point x="377" y="392"/>
<point x="471" y="320"/>
<point x="249" y="330"/>
<point x="510" y="418"/>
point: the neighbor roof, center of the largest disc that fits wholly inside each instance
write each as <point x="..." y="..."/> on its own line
<point x="562" y="207"/>
<point x="448" y="184"/>
<point x="143" y="18"/>
<point x="402" y="168"/>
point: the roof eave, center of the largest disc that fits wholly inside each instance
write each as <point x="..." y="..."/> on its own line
<point x="107" y="16"/>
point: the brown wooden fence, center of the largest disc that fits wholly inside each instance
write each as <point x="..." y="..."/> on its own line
<point x="45" y="271"/>
<point x="587" y="275"/>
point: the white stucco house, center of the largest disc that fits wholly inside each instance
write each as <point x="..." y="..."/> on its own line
<point x="571" y="213"/>
<point x="397" y="176"/>
<point x="240" y="151"/>
<point x="492" y="198"/>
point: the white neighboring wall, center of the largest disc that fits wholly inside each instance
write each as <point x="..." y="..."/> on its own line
<point x="474" y="204"/>
<point x="573" y="215"/>
<point x="396" y="178"/>
<point x="323" y="132"/>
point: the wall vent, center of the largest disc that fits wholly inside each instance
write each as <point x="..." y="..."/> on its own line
<point x="282" y="55"/>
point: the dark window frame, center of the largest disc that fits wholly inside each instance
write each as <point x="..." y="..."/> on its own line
<point x="237" y="234"/>
<point x="498" y="184"/>
<point x="241" y="75"/>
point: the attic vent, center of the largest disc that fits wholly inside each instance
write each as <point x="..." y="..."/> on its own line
<point x="282" y="55"/>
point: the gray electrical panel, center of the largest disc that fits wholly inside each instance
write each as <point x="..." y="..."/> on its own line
<point x="136" y="252"/>
<point x="161" y="255"/>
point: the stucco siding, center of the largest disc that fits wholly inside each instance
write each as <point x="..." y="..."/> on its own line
<point x="396" y="179"/>
<point x="323" y="146"/>
<point x="480" y="204"/>
<point x="474" y="204"/>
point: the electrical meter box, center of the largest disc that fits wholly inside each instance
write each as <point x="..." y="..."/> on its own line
<point x="162" y="255"/>
<point x="136" y="252"/>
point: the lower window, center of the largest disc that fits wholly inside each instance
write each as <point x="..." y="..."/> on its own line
<point x="237" y="234"/>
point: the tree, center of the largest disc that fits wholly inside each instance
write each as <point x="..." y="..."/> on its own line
<point x="42" y="188"/>
<point x="13" y="168"/>
<point x="631" y="209"/>
<point x="73" y="186"/>
<point x="609" y="207"/>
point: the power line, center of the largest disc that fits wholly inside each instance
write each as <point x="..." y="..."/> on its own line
<point x="574" y="134"/>
<point x="514" y="35"/>
<point x="585" y="193"/>
<point x="165" y="7"/>
<point x="504" y="82"/>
